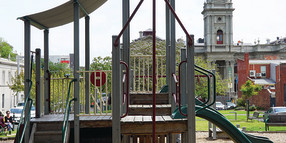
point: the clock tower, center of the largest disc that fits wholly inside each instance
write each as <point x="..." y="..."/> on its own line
<point x="218" y="27"/>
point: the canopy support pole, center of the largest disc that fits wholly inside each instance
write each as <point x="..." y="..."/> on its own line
<point x="46" y="73"/>
<point x="76" y="74"/>
<point x="27" y="71"/>
<point x="87" y="63"/>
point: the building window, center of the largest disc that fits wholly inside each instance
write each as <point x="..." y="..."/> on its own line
<point x="263" y="71"/>
<point x="3" y="100"/>
<point x="3" y="77"/>
<point x="219" y="37"/>
<point x="9" y="77"/>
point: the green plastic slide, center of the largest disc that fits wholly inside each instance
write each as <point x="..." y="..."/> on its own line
<point x="219" y="120"/>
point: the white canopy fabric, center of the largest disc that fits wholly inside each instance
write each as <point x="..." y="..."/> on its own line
<point x="62" y="14"/>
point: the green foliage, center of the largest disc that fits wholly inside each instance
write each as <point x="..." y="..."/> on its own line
<point x="17" y="83"/>
<point x="260" y="108"/>
<point x="201" y="82"/>
<point x="252" y="108"/>
<point x="248" y="89"/>
<point x="241" y="102"/>
<point x="6" y="49"/>
<point x="99" y="63"/>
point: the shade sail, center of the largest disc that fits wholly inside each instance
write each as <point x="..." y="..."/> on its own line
<point x="62" y="14"/>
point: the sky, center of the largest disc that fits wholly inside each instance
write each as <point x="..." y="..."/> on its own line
<point x="252" y="20"/>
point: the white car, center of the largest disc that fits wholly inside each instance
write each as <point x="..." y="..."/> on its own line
<point x="220" y="106"/>
<point x="17" y="113"/>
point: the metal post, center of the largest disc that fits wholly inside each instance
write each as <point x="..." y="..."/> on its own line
<point x="167" y="44"/>
<point x="27" y="67"/>
<point x="214" y="106"/>
<point x="87" y="64"/>
<point x="183" y="77"/>
<point x="191" y="91"/>
<point x="46" y="74"/>
<point x="172" y="62"/>
<point x="116" y="136"/>
<point x="76" y="74"/>
<point x="154" y="71"/>
<point x="38" y="85"/>
<point x="126" y="39"/>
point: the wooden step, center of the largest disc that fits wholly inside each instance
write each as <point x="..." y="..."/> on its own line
<point x="49" y="126"/>
<point x="142" y="125"/>
<point x="147" y="98"/>
<point x="147" y="110"/>
<point x="48" y="137"/>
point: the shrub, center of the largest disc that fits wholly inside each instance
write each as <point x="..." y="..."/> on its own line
<point x="252" y="108"/>
<point x="239" y="108"/>
<point x="260" y="108"/>
<point x="240" y="102"/>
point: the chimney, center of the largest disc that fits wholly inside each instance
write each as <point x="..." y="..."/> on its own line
<point x="140" y="34"/>
<point x="267" y="41"/>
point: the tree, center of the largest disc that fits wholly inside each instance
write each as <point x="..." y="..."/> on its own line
<point x="99" y="63"/>
<point x="6" y="50"/>
<point x="17" y="83"/>
<point x="201" y="82"/>
<point x="248" y="89"/>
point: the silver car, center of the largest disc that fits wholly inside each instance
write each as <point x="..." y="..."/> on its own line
<point x="276" y="111"/>
<point x="220" y="106"/>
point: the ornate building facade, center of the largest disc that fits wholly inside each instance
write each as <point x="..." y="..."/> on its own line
<point x="220" y="49"/>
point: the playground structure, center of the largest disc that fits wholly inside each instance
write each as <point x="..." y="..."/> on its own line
<point x="148" y="115"/>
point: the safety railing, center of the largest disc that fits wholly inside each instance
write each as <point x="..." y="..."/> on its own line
<point x="28" y="104"/>
<point x="214" y="88"/>
<point x="67" y="112"/>
<point x="99" y="93"/>
<point x="125" y="94"/>
<point x="177" y="95"/>
<point x="141" y="66"/>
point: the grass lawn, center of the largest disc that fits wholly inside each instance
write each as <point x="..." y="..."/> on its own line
<point x="13" y="134"/>
<point x="251" y="125"/>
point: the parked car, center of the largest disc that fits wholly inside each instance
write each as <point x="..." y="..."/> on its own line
<point x="276" y="111"/>
<point x="230" y="105"/>
<point x="220" y="106"/>
<point x="16" y="112"/>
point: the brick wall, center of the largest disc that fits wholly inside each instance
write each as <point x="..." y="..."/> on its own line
<point x="280" y="101"/>
<point x="261" y="100"/>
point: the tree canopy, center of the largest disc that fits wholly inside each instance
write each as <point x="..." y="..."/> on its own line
<point x="6" y="50"/>
<point x="248" y="89"/>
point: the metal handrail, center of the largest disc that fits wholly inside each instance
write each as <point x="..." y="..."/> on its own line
<point x="175" y="94"/>
<point x="67" y="110"/>
<point x="18" y="138"/>
<point x="180" y="86"/>
<point x="214" y="87"/>
<point x="66" y="119"/>
<point x="124" y="95"/>
<point x="127" y="91"/>
<point x="209" y="85"/>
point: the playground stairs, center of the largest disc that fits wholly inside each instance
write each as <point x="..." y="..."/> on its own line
<point x="137" y="126"/>
<point x="141" y="104"/>
<point x="47" y="132"/>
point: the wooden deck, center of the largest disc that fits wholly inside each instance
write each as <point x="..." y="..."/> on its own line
<point x="143" y="125"/>
<point x="86" y="121"/>
<point x="129" y="124"/>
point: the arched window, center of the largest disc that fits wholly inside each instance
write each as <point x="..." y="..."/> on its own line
<point x="219" y="37"/>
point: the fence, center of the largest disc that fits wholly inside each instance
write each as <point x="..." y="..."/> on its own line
<point x="142" y="72"/>
<point x="99" y="93"/>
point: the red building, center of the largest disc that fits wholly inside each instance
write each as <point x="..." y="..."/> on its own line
<point x="270" y="74"/>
